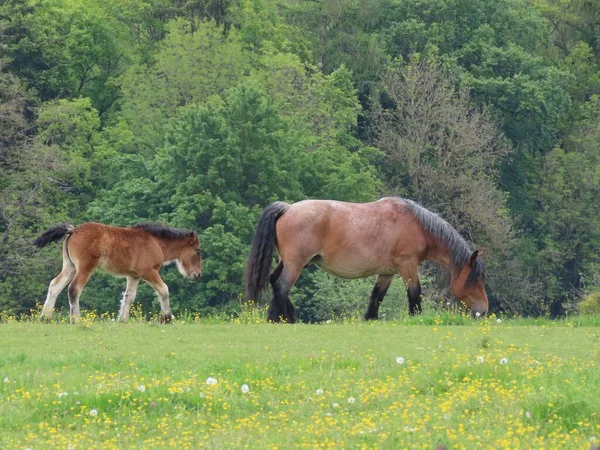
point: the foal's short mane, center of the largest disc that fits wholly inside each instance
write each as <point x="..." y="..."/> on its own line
<point x="161" y="231"/>
<point x="450" y="239"/>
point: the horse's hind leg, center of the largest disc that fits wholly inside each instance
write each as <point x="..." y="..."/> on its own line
<point x="79" y="281"/>
<point x="59" y="283"/>
<point x="128" y="298"/>
<point x="379" y="290"/>
<point x="283" y="279"/>
<point x="56" y="287"/>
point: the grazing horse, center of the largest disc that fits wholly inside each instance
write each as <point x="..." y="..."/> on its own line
<point x="355" y="240"/>
<point x="136" y="253"/>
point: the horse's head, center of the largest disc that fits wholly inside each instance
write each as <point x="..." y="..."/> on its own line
<point x="468" y="285"/>
<point x="189" y="261"/>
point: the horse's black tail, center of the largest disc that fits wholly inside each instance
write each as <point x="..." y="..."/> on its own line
<point x="53" y="235"/>
<point x="261" y="252"/>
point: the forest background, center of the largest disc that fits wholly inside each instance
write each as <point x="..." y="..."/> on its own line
<point x="198" y="113"/>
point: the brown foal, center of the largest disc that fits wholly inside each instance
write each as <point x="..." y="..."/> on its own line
<point x="356" y="240"/>
<point x="136" y="253"/>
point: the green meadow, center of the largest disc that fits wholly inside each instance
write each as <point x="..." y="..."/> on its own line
<point x="413" y="383"/>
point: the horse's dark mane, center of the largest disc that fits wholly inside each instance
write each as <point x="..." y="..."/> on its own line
<point x="161" y="231"/>
<point x="450" y="239"/>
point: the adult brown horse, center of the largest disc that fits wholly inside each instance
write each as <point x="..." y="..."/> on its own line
<point x="356" y="240"/>
<point x="136" y="253"/>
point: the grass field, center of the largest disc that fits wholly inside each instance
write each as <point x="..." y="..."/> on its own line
<point x="344" y="385"/>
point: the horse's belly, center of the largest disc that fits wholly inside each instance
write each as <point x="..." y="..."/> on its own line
<point x="351" y="271"/>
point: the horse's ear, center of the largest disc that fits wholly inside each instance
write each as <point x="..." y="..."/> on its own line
<point x="476" y="254"/>
<point x="193" y="236"/>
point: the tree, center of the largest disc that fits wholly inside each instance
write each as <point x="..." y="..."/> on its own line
<point x="444" y="153"/>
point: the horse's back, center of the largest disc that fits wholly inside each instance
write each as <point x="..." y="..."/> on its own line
<point x="349" y="239"/>
<point x="117" y="250"/>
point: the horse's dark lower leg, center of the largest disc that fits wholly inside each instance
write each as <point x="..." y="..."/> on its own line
<point x="281" y="308"/>
<point x="379" y="290"/>
<point x="414" y="300"/>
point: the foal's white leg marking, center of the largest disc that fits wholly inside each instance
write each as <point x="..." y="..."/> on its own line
<point x="128" y="298"/>
<point x="56" y="287"/>
<point x="60" y="282"/>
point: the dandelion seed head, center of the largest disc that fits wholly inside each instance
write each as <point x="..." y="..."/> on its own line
<point x="93" y="412"/>
<point x="399" y="359"/>
<point x="211" y="381"/>
<point x="319" y="392"/>
<point x="498" y="320"/>
<point x="142" y="388"/>
<point x="245" y="389"/>
<point x="480" y="359"/>
<point x="351" y="400"/>
<point x="6" y="380"/>
<point x="336" y="405"/>
<point x="503" y="361"/>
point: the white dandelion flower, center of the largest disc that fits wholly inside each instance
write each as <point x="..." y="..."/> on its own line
<point x="498" y="320"/>
<point x="528" y="415"/>
<point x="503" y="361"/>
<point x="328" y="322"/>
<point x="6" y="380"/>
<point x="351" y="400"/>
<point x="477" y="314"/>
<point x="319" y="392"/>
<point x="62" y="394"/>
<point x="399" y="359"/>
<point x="211" y="381"/>
<point x="93" y="412"/>
<point x="142" y="388"/>
<point x="245" y="389"/>
<point x="480" y="359"/>
<point x="336" y="405"/>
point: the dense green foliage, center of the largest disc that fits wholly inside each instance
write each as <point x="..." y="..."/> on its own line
<point x="199" y="113"/>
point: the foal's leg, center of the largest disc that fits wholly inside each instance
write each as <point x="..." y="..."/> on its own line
<point x="282" y="279"/>
<point x="59" y="283"/>
<point x="379" y="290"/>
<point x="79" y="281"/>
<point x="128" y="298"/>
<point x="162" y="290"/>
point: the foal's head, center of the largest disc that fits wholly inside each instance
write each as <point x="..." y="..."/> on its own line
<point x="468" y="285"/>
<point x="189" y="261"/>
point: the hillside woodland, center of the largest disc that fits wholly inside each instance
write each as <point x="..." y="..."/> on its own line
<point x="198" y="113"/>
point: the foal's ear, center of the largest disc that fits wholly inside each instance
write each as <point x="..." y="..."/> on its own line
<point x="476" y="254"/>
<point x="193" y="236"/>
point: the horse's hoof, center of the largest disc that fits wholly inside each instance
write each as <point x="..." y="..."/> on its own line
<point x="166" y="318"/>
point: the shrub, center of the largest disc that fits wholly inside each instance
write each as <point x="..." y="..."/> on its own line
<point x="590" y="305"/>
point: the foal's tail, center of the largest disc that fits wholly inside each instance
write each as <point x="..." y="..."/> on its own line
<point x="53" y="235"/>
<point x="261" y="253"/>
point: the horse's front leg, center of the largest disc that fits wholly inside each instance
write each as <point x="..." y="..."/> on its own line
<point x="154" y="280"/>
<point x="409" y="271"/>
<point x="128" y="298"/>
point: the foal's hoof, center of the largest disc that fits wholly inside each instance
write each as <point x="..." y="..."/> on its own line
<point x="166" y="318"/>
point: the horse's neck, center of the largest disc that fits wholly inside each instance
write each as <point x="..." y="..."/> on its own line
<point x="441" y="256"/>
<point x="170" y="248"/>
